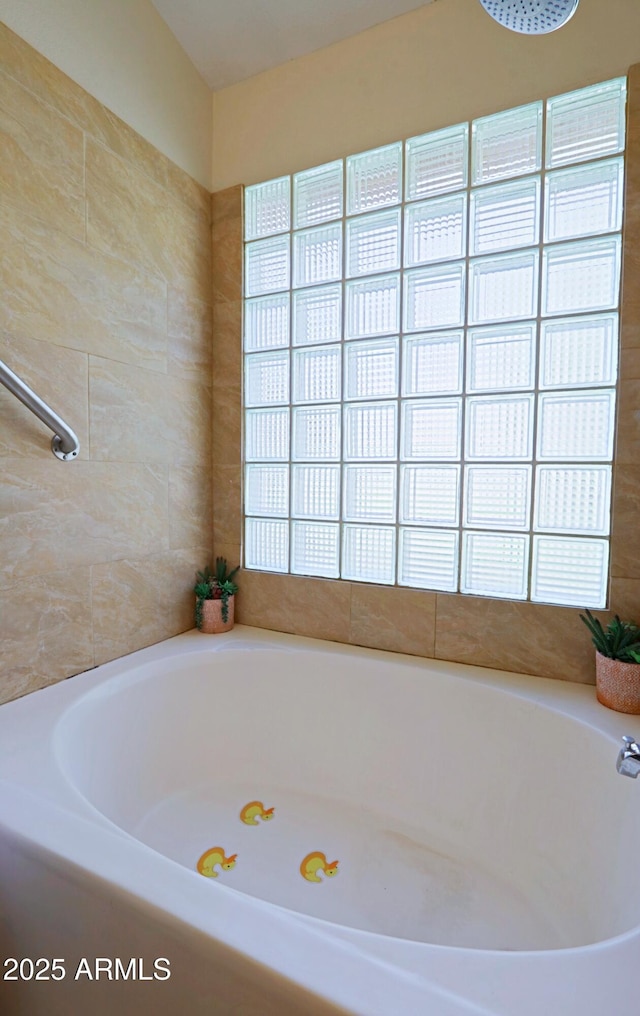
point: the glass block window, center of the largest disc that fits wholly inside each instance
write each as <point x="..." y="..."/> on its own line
<point x="431" y="336"/>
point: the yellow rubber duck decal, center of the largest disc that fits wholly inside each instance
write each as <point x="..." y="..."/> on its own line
<point x="215" y="855"/>
<point x="255" y="810"/>
<point x="315" y="862"/>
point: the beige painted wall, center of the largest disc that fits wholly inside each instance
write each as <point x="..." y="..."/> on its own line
<point x="124" y="54"/>
<point x="431" y="68"/>
<point x="105" y="276"/>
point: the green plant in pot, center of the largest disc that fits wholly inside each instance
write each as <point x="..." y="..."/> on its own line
<point x="215" y="591"/>
<point x="617" y="662"/>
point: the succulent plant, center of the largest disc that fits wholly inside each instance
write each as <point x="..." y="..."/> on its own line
<point x="620" y="640"/>
<point x="215" y="585"/>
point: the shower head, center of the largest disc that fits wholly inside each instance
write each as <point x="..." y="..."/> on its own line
<point x="531" y="17"/>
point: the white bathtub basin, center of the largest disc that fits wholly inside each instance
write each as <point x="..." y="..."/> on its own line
<point x="487" y="847"/>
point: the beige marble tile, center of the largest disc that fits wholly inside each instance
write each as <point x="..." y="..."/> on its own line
<point x="630" y="360"/>
<point x="625" y="599"/>
<point x="400" y="620"/>
<point x="41" y="169"/>
<point x="227" y="504"/>
<point x="60" y="377"/>
<point x="58" y="290"/>
<point x="318" y="608"/>
<point x="49" y="84"/>
<point x="56" y="515"/>
<point x="140" y="601"/>
<point x="190" y="506"/>
<point x="227" y="383"/>
<point x="232" y="552"/>
<point x="628" y="428"/>
<point x="625" y="545"/>
<point x="227" y="204"/>
<point x="46" y="630"/>
<point x="190" y="345"/>
<point x="227" y="266"/>
<point x="528" y="638"/>
<point x="139" y="416"/>
<point x="131" y="217"/>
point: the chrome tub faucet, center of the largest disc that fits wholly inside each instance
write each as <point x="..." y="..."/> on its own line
<point x="629" y="758"/>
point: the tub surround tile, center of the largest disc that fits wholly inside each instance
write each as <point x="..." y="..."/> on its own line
<point x="625" y="551"/>
<point x="46" y="630"/>
<point x="58" y="290"/>
<point x="628" y="431"/>
<point x="318" y="608"/>
<point x="227" y="501"/>
<point x="232" y="552"/>
<point x="630" y="361"/>
<point x="140" y="416"/>
<point x="399" y="620"/>
<point x="227" y="204"/>
<point x="190" y="331"/>
<point x="42" y="165"/>
<point x="527" y="638"/>
<point x="53" y="518"/>
<point x="227" y="261"/>
<point x="139" y="602"/>
<point x="61" y="378"/>
<point x="625" y="599"/>
<point x="190" y="506"/>
<point x="132" y="218"/>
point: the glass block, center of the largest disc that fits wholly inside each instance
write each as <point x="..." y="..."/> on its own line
<point x="434" y="297"/>
<point x="428" y="559"/>
<point x="576" y="425"/>
<point x="370" y="430"/>
<point x="369" y="554"/>
<point x="581" y="276"/>
<point x="495" y="564"/>
<point x="504" y="287"/>
<point x="579" y="352"/>
<point x="370" y="493"/>
<point x="430" y="495"/>
<point x="266" y="434"/>
<point x="374" y="179"/>
<point x="573" y="499"/>
<point x="266" y="544"/>
<point x="373" y="243"/>
<point x="315" y="492"/>
<point x="266" y="208"/>
<point x="499" y="427"/>
<point x="315" y="549"/>
<point x="317" y="255"/>
<point x="266" y="490"/>
<point x="266" y="378"/>
<point x="437" y="162"/>
<point x="316" y="433"/>
<point x="586" y="124"/>
<point x="371" y="369"/>
<point x="317" y="315"/>
<point x="505" y="216"/>
<point x="267" y="266"/>
<point x="266" y="322"/>
<point x="507" y="144"/>
<point x="431" y="429"/>
<point x="435" y="230"/>
<point x="432" y="364"/>
<point x="316" y="374"/>
<point x="584" y="201"/>
<point x="497" y="497"/>
<point x="317" y="195"/>
<point x="501" y="357"/>
<point x="373" y="307"/>
<point x="572" y="572"/>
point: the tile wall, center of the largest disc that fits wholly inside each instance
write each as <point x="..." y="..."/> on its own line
<point x="509" y="635"/>
<point x="106" y="311"/>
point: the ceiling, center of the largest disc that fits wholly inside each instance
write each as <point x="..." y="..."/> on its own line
<point x="229" y="40"/>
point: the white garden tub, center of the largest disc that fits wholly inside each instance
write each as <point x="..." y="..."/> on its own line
<point x="487" y="848"/>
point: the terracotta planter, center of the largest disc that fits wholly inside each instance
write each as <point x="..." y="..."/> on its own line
<point x="618" y="684"/>
<point x="212" y="623"/>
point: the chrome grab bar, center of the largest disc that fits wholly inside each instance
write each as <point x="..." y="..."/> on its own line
<point x="64" y="443"/>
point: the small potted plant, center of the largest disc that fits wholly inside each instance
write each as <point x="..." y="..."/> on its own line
<point x="215" y="592"/>
<point x="617" y="662"/>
